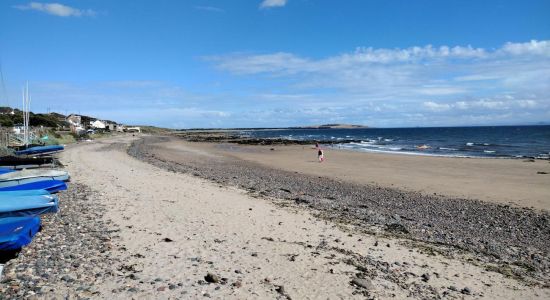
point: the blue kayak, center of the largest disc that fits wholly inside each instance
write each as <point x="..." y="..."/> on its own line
<point x="17" y="232"/>
<point x="40" y="150"/>
<point x="6" y="170"/>
<point x="27" y="206"/>
<point x="52" y="186"/>
<point x="24" y="193"/>
<point x="32" y="175"/>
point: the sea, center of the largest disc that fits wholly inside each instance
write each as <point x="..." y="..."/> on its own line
<point x="486" y="141"/>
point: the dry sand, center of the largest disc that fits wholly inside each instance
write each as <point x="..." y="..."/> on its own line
<point x="506" y="181"/>
<point x="255" y="244"/>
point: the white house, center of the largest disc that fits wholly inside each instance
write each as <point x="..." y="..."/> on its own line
<point x="97" y="124"/>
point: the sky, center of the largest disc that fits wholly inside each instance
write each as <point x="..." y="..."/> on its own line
<point x="277" y="63"/>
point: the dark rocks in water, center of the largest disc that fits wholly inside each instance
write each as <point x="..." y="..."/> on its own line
<point x="224" y="137"/>
<point x="212" y="278"/>
<point x="168" y="240"/>
<point x="466" y="291"/>
<point x="425" y="277"/>
<point x="540" y="172"/>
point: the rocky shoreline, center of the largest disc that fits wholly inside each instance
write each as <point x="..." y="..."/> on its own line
<point x="70" y="257"/>
<point x="509" y="240"/>
<point x="234" y="138"/>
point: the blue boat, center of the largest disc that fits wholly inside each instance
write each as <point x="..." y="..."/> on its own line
<point x="24" y="193"/>
<point x="17" y="232"/>
<point x="6" y="170"/>
<point x="32" y="175"/>
<point x="27" y="206"/>
<point x="52" y="186"/>
<point x="40" y="150"/>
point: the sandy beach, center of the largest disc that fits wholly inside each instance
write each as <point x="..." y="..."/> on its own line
<point x="516" y="182"/>
<point x="172" y="234"/>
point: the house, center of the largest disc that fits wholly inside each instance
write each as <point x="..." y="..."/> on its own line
<point x="75" y="120"/>
<point x="75" y="124"/>
<point x="18" y="128"/>
<point x="110" y="126"/>
<point x="120" y="128"/>
<point x="97" y="124"/>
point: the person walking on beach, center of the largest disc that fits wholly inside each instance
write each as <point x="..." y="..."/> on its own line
<point x="320" y="155"/>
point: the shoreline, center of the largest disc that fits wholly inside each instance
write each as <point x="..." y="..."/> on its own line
<point x="234" y="136"/>
<point x="409" y="214"/>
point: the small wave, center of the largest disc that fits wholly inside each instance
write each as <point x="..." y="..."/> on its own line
<point x="469" y="144"/>
<point x="489" y="151"/>
<point x="448" y="149"/>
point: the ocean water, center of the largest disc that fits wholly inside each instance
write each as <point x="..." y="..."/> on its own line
<point x="490" y="142"/>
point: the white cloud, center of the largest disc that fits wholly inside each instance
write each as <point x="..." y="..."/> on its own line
<point x="497" y="103"/>
<point x="210" y="8"/>
<point x="436" y="106"/>
<point x="272" y="3"/>
<point x="532" y="47"/>
<point x="56" y="9"/>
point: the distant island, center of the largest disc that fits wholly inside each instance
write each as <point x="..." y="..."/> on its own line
<point x="331" y="126"/>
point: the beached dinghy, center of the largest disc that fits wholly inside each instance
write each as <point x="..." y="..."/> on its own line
<point x="6" y="170"/>
<point x="27" y="206"/>
<point x="33" y="175"/>
<point x="17" y="232"/>
<point x="41" y="150"/>
<point x="51" y="186"/>
<point x="24" y="193"/>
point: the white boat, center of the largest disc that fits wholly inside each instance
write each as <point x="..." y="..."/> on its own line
<point x="34" y="175"/>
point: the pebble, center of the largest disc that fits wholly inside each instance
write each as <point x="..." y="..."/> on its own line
<point x="212" y="278"/>
<point x="363" y="283"/>
<point x="71" y="251"/>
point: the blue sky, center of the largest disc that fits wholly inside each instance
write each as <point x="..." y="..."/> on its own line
<point x="279" y="63"/>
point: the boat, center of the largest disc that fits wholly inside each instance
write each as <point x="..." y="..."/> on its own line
<point x="27" y="206"/>
<point x="51" y="186"/>
<point x="6" y="170"/>
<point x="41" y="150"/>
<point x="15" y="193"/>
<point x="27" y="176"/>
<point x="18" y="162"/>
<point x="17" y="232"/>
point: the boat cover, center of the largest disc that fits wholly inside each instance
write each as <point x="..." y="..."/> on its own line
<point x="32" y="175"/>
<point x="40" y="150"/>
<point x="17" y="232"/>
<point x="51" y="186"/>
<point x="27" y="206"/>
<point x="25" y="161"/>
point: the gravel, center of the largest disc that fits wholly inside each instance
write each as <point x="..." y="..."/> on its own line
<point x="69" y="257"/>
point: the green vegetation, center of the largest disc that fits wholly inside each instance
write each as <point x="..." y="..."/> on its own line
<point x="153" y="129"/>
<point x="53" y="120"/>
